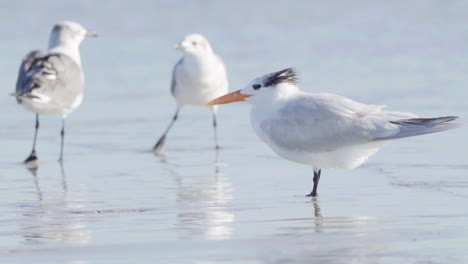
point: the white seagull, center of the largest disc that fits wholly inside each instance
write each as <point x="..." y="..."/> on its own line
<point x="51" y="82"/>
<point x="198" y="77"/>
<point x="323" y="130"/>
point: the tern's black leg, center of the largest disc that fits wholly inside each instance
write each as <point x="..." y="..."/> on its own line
<point x="158" y="148"/>
<point x="62" y="135"/>
<point x="32" y="157"/>
<point x="317" y="174"/>
<point x="215" y="125"/>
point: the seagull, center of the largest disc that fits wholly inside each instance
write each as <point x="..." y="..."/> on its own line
<point x="320" y="129"/>
<point x="51" y="82"/>
<point x="197" y="78"/>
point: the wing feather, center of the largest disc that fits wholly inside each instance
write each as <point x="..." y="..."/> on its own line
<point x="49" y="75"/>
<point x="173" y="80"/>
<point x="325" y="122"/>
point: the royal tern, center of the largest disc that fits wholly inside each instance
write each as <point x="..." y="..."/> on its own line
<point x="198" y="77"/>
<point x="51" y="82"/>
<point x="323" y="130"/>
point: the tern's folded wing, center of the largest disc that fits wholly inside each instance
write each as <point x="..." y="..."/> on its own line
<point x="319" y="123"/>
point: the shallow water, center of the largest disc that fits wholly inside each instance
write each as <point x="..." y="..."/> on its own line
<point x="115" y="202"/>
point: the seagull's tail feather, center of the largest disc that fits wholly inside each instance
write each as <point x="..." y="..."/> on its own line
<point x="420" y="126"/>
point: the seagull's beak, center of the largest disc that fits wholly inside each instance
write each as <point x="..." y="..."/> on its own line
<point x="181" y="46"/>
<point x="229" y="98"/>
<point x="91" y="34"/>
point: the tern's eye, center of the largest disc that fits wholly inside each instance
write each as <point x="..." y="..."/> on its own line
<point x="256" y="86"/>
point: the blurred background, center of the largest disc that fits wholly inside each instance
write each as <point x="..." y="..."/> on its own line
<point x="407" y="203"/>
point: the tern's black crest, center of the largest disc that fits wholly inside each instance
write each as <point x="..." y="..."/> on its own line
<point x="284" y="76"/>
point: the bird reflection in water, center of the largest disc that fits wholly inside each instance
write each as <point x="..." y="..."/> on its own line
<point x="203" y="201"/>
<point x="310" y="220"/>
<point x="318" y="219"/>
<point x="50" y="219"/>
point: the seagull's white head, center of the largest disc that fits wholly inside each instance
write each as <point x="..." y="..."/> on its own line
<point x="268" y="88"/>
<point x="68" y="33"/>
<point x="194" y="44"/>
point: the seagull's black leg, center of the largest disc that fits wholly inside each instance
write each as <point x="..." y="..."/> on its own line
<point x="215" y="130"/>
<point x="317" y="174"/>
<point x="64" y="177"/>
<point x="62" y="134"/>
<point x="158" y="148"/>
<point x="32" y="157"/>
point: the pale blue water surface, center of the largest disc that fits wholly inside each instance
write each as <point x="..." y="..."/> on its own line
<point x="115" y="202"/>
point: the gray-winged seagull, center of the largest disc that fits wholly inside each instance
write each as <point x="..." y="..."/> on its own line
<point x="51" y="82"/>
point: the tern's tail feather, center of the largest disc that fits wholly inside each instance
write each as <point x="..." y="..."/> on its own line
<point x="420" y="126"/>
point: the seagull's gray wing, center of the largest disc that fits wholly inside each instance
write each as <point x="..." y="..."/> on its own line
<point x="23" y="83"/>
<point x="49" y="76"/>
<point x="323" y="122"/>
<point x="173" y="81"/>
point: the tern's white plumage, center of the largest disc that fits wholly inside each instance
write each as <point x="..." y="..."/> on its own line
<point x="198" y="77"/>
<point x="323" y="130"/>
<point x="51" y="82"/>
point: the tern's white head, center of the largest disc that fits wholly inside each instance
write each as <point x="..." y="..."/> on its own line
<point x="194" y="44"/>
<point x="265" y="89"/>
<point x="68" y="33"/>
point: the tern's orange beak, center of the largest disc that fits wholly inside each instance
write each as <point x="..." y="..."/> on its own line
<point x="229" y="98"/>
